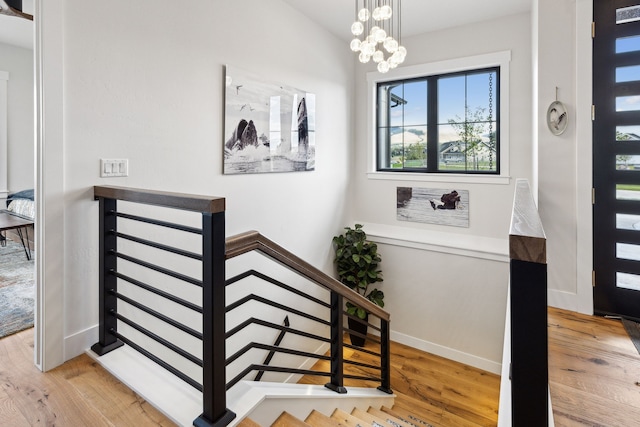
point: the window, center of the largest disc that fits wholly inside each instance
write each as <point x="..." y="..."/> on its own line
<point x="432" y="80"/>
<point x="443" y="123"/>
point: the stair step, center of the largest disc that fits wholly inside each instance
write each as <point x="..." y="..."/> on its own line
<point x="389" y="418"/>
<point x="370" y="419"/>
<point x="409" y="416"/>
<point x="318" y="419"/>
<point x="347" y="419"/>
<point x="401" y="415"/>
<point x="287" y="420"/>
<point x="248" y="422"/>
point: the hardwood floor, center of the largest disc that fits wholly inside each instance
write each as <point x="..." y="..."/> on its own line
<point x="594" y="371"/>
<point x="78" y="393"/>
<point x="594" y="377"/>
<point x="443" y="392"/>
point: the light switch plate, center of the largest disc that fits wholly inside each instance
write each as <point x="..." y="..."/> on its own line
<point x="114" y="167"/>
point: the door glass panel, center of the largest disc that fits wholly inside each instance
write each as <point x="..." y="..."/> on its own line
<point x="628" y="103"/>
<point x="628" y="44"/>
<point x="628" y="251"/>
<point x="628" y="222"/>
<point x="627" y="14"/>
<point x="627" y="192"/>
<point x="628" y="281"/>
<point x="626" y="162"/>
<point x="627" y="133"/>
<point x="628" y="74"/>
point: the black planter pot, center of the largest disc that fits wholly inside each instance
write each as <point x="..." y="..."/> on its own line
<point x="360" y="327"/>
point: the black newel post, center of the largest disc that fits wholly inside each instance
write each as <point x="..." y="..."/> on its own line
<point x="108" y="282"/>
<point x="214" y="395"/>
<point x="337" y="334"/>
<point x="529" y="348"/>
<point x="385" y="357"/>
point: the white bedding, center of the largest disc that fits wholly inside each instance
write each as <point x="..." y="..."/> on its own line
<point x="23" y="207"/>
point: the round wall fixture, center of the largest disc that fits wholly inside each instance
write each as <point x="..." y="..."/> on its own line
<point x="557" y="117"/>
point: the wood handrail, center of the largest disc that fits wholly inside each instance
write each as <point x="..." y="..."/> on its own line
<point x="527" y="241"/>
<point x="253" y="240"/>
<point x="188" y="202"/>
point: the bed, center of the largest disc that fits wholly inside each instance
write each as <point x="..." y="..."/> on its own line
<point x="21" y="204"/>
<point x="18" y="216"/>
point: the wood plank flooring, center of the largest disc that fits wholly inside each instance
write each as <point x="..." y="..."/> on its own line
<point x="594" y="376"/>
<point x="443" y="392"/>
<point x="78" y="393"/>
<point x="594" y="371"/>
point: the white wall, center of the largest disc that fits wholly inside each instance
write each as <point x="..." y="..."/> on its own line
<point x="450" y="304"/>
<point x="563" y="59"/>
<point x="147" y="85"/>
<point x="20" y="161"/>
<point x="144" y="81"/>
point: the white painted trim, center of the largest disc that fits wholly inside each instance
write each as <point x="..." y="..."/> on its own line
<point x="177" y="400"/>
<point x="437" y="241"/>
<point x="582" y="300"/>
<point x="79" y="342"/>
<point x="440" y="177"/>
<point x="565" y="300"/>
<point x="49" y="184"/>
<point x="447" y="352"/>
<point x="584" y="154"/>
<point x="4" y="137"/>
<point x="501" y="59"/>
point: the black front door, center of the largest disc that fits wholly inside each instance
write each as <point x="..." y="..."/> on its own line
<point x="616" y="157"/>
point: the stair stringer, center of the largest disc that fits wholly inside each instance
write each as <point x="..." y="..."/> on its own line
<point x="263" y="402"/>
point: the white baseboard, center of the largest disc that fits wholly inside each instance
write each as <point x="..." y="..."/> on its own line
<point x="568" y="301"/>
<point x="78" y="343"/>
<point x="448" y="353"/>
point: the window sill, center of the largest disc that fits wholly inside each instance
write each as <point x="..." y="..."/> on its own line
<point x="437" y="177"/>
<point x="489" y="248"/>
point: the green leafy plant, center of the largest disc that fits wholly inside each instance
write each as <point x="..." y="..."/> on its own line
<point x="357" y="263"/>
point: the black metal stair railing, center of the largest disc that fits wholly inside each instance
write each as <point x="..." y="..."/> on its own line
<point x="212" y="261"/>
<point x="377" y="342"/>
<point x="318" y="314"/>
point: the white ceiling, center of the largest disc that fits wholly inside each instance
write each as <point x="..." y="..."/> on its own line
<point x="418" y="16"/>
<point x="18" y="31"/>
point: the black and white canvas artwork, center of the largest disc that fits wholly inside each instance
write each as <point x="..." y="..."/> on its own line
<point x="433" y="206"/>
<point x="268" y="127"/>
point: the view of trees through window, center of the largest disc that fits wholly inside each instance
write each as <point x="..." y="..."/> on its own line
<point x="443" y="123"/>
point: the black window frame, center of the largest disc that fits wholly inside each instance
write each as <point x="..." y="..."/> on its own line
<point x="432" y="124"/>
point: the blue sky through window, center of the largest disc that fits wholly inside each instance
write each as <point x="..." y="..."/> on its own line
<point x="452" y="92"/>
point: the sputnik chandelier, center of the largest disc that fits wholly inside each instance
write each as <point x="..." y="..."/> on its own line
<point x="377" y="30"/>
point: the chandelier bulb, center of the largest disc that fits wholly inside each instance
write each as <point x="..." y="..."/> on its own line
<point x="386" y="12"/>
<point x="355" y="44"/>
<point x="363" y="57"/>
<point x="390" y="44"/>
<point x="383" y="67"/>
<point x="357" y="28"/>
<point x="363" y="14"/>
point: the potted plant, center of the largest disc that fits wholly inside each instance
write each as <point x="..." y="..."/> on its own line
<point x="357" y="263"/>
